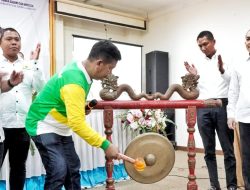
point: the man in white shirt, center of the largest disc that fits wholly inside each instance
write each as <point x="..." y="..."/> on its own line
<point x="238" y="109"/>
<point x="213" y="84"/>
<point x="15" y="79"/>
<point x="15" y="105"/>
<point x="1" y="51"/>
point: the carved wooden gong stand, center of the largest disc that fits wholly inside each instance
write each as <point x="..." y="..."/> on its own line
<point x="189" y="105"/>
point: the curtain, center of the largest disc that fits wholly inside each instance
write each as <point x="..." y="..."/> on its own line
<point x="92" y="159"/>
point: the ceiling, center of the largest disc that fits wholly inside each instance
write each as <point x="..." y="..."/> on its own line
<point x="143" y="8"/>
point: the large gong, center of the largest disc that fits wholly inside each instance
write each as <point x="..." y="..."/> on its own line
<point x="158" y="154"/>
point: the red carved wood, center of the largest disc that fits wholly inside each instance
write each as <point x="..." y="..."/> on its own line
<point x="108" y="124"/>
<point x="191" y="106"/>
<point x="157" y="104"/>
<point x="191" y="120"/>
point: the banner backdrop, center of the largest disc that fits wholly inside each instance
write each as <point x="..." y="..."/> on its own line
<point x="31" y="19"/>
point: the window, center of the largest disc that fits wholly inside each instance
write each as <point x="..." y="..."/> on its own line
<point x="128" y="69"/>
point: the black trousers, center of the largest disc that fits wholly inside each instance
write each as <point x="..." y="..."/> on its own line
<point x="1" y="152"/>
<point x="17" y="141"/>
<point x="211" y="121"/>
<point x="245" y="152"/>
<point x="60" y="161"/>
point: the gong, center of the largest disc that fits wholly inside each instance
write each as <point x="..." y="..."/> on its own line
<point x="158" y="154"/>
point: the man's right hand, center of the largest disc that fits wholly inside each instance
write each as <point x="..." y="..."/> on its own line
<point x="16" y="78"/>
<point x="190" y="68"/>
<point x="231" y="123"/>
<point x="112" y="152"/>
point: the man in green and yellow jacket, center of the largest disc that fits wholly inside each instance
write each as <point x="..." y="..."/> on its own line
<point x="59" y="109"/>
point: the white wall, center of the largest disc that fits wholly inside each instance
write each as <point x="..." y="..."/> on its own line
<point x="66" y="27"/>
<point x="176" y="33"/>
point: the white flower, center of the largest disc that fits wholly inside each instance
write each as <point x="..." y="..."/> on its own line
<point x="148" y="112"/>
<point x="147" y="120"/>
<point x="130" y="117"/>
<point x="142" y="121"/>
<point x="158" y="114"/>
<point x="134" y="125"/>
<point x="153" y="122"/>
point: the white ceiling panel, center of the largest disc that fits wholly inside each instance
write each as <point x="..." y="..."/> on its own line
<point x="141" y="7"/>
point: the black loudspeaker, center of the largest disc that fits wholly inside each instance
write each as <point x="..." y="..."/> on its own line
<point x="157" y="80"/>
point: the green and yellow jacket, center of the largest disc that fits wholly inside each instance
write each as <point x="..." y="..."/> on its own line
<point x="60" y="107"/>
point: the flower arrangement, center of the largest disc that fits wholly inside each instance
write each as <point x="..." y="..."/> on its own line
<point x="145" y="120"/>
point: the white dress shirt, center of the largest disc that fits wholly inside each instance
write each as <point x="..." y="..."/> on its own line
<point x="212" y="84"/>
<point x="239" y="91"/>
<point x="1" y="127"/>
<point x="15" y="103"/>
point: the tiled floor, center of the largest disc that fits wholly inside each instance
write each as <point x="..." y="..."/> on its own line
<point x="177" y="179"/>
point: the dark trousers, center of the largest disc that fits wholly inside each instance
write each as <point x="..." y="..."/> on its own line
<point x="1" y="152"/>
<point x="17" y="141"/>
<point x="211" y="120"/>
<point x="245" y="152"/>
<point x="60" y="160"/>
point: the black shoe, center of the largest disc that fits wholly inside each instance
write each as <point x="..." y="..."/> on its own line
<point x="232" y="188"/>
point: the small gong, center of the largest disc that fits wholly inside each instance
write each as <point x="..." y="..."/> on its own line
<point x="158" y="154"/>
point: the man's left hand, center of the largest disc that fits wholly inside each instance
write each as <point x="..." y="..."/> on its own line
<point x="35" y="54"/>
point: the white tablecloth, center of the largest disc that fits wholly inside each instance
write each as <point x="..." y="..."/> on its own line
<point x="90" y="157"/>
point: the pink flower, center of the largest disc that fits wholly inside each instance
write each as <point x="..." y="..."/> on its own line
<point x="137" y="113"/>
<point x="130" y="117"/>
<point x="145" y="120"/>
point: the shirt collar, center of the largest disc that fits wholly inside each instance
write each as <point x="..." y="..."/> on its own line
<point x="82" y="68"/>
<point x="213" y="57"/>
<point x="4" y="59"/>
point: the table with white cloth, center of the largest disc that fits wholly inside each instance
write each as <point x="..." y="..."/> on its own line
<point x="92" y="159"/>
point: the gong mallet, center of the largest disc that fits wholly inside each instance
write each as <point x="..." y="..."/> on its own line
<point x="139" y="163"/>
